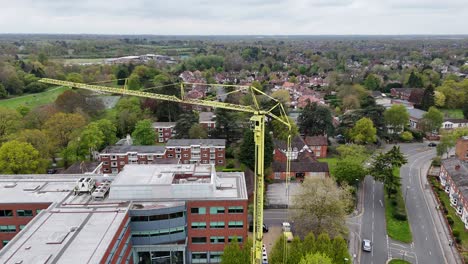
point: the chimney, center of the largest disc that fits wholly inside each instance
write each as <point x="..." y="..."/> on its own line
<point x="457" y="167"/>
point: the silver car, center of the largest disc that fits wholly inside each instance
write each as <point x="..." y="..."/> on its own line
<point x="367" y="245"/>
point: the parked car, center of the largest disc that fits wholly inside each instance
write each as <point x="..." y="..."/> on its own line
<point x="366" y="245"/>
<point x="265" y="228"/>
<point x="432" y="144"/>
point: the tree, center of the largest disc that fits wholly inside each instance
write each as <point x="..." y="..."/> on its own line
<point x="456" y="93"/>
<point x="281" y="132"/>
<point x="340" y="249"/>
<point x="321" y="207"/>
<point x="350" y="102"/>
<point x="3" y="92"/>
<point x="364" y="131"/>
<point x="69" y="101"/>
<point x="354" y="151"/>
<point x="60" y="128"/>
<point x="129" y="112"/>
<point x="108" y="130"/>
<point x="23" y="110"/>
<point x="414" y="80"/>
<point x="133" y="82"/>
<point x="396" y="118"/>
<point x="277" y="251"/>
<point x="144" y="133"/>
<point x="428" y="98"/>
<point x="10" y="121"/>
<point x="14" y="85"/>
<point x="247" y="150"/>
<point x="184" y="123"/>
<point x="20" y="158"/>
<point x="35" y="87"/>
<point x="234" y="254"/>
<point x="37" y="138"/>
<point x="39" y="115"/>
<point x="227" y="125"/>
<point x="349" y="170"/>
<point x="90" y="139"/>
<point x="465" y="111"/>
<point x="439" y="99"/>
<point x="372" y="82"/>
<point x="323" y="244"/>
<point x="121" y="74"/>
<point x="197" y="131"/>
<point x="382" y="168"/>
<point x="316" y="120"/>
<point x="432" y="120"/>
<point x="282" y="96"/>
<point x="75" y="77"/>
<point x="316" y="258"/>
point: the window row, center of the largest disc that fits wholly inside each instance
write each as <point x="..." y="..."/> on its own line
<point x="215" y="239"/>
<point x="22" y="213"/>
<point x="218" y="210"/>
<point x="161" y="232"/>
<point x="217" y="225"/>
<point x="202" y="257"/>
<point x="146" y="218"/>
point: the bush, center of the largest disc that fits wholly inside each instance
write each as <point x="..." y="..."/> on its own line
<point x="456" y="233"/>
<point x="436" y="161"/>
<point x="230" y="165"/>
<point x="418" y="136"/>
<point x="445" y="211"/>
<point x="458" y="240"/>
<point x="399" y="216"/>
<point x="394" y="202"/>
<point x="450" y="220"/>
<point x="406" y="136"/>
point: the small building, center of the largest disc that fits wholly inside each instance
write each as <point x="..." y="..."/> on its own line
<point x="461" y="148"/>
<point x="415" y="116"/>
<point x="207" y="120"/>
<point x="300" y="170"/>
<point x="164" y="131"/>
<point x="319" y="145"/>
<point x="406" y="93"/>
<point x="451" y="123"/>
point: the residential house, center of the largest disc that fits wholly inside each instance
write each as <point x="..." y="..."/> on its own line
<point x="305" y="99"/>
<point x="207" y="120"/>
<point x="203" y="151"/>
<point x="114" y="158"/>
<point x="164" y="131"/>
<point x="415" y="116"/>
<point x="318" y="144"/>
<point x="451" y="123"/>
<point x="454" y="178"/>
<point x="302" y="160"/>
<point x="407" y="93"/>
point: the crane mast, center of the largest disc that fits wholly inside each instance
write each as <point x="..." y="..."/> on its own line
<point x="257" y="125"/>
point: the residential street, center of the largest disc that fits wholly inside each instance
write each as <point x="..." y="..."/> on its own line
<point x="428" y="232"/>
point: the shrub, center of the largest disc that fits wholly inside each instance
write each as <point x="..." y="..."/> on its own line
<point x="418" y="136"/>
<point x="445" y="211"/>
<point x="436" y="161"/>
<point x="458" y="240"/>
<point x="399" y="216"/>
<point x="394" y="202"/>
<point x="456" y="233"/>
<point x="450" y="220"/>
<point x="406" y="136"/>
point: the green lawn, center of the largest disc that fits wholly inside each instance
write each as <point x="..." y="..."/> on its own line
<point x="331" y="164"/>
<point x="34" y="100"/>
<point x="397" y="229"/>
<point x="453" y="113"/>
<point x="457" y="222"/>
<point x="398" y="261"/>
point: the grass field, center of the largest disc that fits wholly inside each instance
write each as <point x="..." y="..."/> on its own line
<point x="398" y="261"/>
<point x="34" y="100"/>
<point x="396" y="229"/>
<point x="453" y="113"/>
<point x="331" y="164"/>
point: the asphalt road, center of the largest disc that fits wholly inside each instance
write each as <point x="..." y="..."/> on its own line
<point x="426" y="246"/>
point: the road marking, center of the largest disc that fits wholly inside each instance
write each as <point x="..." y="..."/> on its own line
<point x="381" y="204"/>
<point x="426" y="238"/>
<point x="430" y="253"/>
<point x="398" y="245"/>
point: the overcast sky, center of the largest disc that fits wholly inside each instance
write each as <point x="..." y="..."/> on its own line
<point x="235" y="17"/>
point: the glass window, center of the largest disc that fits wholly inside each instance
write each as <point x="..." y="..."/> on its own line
<point x="198" y="210"/>
<point x="217" y="240"/>
<point x="198" y="240"/>
<point x="6" y="213"/>
<point x="235" y="209"/>
<point x="235" y="224"/>
<point x="24" y="212"/>
<point x="198" y="225"/>
<point x="7" y="228"/>
<point x="21" y="227"/>
<point x="199" y="257"/>
<point x="215" y="256"/>
<point x="239" y="239"/>
<point x="5" y="242"/>
<point x="217" y="210"/>
<point x="216" y="225"/>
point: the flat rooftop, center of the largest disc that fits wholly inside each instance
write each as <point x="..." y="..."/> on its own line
<point x="176" y="182"/>
<point x="66" y="235"/>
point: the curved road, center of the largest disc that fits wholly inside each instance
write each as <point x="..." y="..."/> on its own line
<point x="429" y="242"/>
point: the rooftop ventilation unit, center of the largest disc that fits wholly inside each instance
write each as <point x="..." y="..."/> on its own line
<point x="84" y="185"/>
<point x="10" y="185"/>
<point x="101" y="191"/>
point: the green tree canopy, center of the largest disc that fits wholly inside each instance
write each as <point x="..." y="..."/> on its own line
<point x="281" y="132"/>
<point x="184" y="123"/>
<point x="396" y="117"/>
<point x="75" y="77"/>
<point x="247" y="150"/>
<point x="428" y="98"/>
<point x="144" y="133"/>
<point x="37" y="138"/>
<point x="316" y="120"/>
<point x="414" y="80"/>
<point x="316" y="258"/>
<point x="10" y="121"/>
<point x="60" y="127"/>
<point x="372" y="82"/>
<point x="198" y="131"/>
<point x="364" y="131"/>
<point x="432" y="120"/>
<point x="20" y="158"/>
<point x="349" y="170"/>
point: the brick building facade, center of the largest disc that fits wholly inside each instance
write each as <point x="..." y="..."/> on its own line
<point x="164" y="131"/>
<point x="202" y="151"/>
<point x="461" y="149"/>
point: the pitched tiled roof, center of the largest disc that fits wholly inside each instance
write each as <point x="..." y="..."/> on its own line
<point x="316" y="141"/>
<point x="296" y="142"/>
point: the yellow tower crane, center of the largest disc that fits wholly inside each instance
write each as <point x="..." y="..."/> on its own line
<point x="257" y="123"/>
